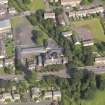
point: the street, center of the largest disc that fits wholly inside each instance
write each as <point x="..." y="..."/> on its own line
<point x="30" y="103"/>
<point x="12" y="77"/>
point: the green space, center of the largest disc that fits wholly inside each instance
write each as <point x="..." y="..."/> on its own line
<point x="94" y="26"/>
<point x="54" y="67"/>
<point x="2" y="71"/>
<point x="99" y="99"/>
<point x="22" y="5"/>
<point x="36" y="4"/>
<point x="9" y="47"/>
<point x="86" y="2"/>
<point x="7" y="70"/>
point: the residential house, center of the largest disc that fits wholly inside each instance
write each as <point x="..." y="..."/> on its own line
<point x="76" y="40"/>
<point x="67" y="33"/>
<point x="63" y="19"/>
<point x="100" y="60"/>
<point x="7" y="96"/>
<point x="3" y="2"/>
<point x="53" y="1"/>
<point x="36" y="92"/>
<point x="48" y="95"/>
<point x="16" y="97"/>
<point x="12" y="11"/>
<point x="2" y="12"/>
<point x="57" y="95"/>
<point x="72" y="3"/>
<point x="49" y="15"/>
<point x="53" y="95"/>
<point x="5" y="26"/>
<point x="83" y="36"/>
<point x="86" y="12"/>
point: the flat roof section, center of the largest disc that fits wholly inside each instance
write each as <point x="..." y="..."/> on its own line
<point x="5" y="24"/>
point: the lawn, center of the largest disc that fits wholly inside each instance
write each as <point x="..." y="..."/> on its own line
<point x="94" y="26"/>
<point x="36" y="4"/>
<point x="98" y="100"/>
<point x="9" y="47"/>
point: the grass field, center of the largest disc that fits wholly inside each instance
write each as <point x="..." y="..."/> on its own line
<point x="9" y="47"/>
<point x="98" y="100"/>
<point x="94" y="26"/>
<point x="36" y="4"/>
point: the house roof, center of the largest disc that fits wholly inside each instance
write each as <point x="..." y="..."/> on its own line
<point x="100" y="59"/>
<point x="16" y="95"/>
<point x="57" y="93"/>
<point x="49" y="15"/>
<point x="84" y="33"/>
<point x="5" y="24"/>
<point x="48" y="94"/>
<point x="32" y="50"/>
<point x="67" y="33"/>
<point x="63" y="19"/>
<point x="70" y="0"/>
<point x="3" y="1"/>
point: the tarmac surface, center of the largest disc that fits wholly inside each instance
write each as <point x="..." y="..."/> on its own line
<point x="31" y="103"/>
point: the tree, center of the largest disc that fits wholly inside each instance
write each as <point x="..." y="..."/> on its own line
<point x="31" y="78"/>
<point x="88" y="86"/>
<point x="35" y="35"/>
<point x="45" y="43"/>
<point x="26" y="1"/>
<point x="88" y="57"/>
<point x="100" y="81"/>
<point x="87" y="1"/>
<point x="23" y="86"/>
<point x="9" y="70"/>
<point x="39" y="15"/>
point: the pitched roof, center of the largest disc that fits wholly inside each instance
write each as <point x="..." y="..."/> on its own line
<point x="84" y="34"/>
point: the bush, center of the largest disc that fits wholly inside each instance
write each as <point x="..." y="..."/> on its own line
<point x="54" y="67"/>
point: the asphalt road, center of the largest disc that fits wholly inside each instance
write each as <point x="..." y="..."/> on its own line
<point x="30" y="103"/>
<point x="12" y="77"/>
<point x="98" y="69"/>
